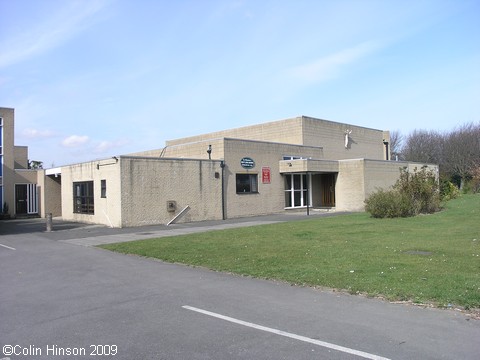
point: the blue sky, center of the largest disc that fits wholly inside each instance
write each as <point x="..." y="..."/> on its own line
<point x="93" y="79"/>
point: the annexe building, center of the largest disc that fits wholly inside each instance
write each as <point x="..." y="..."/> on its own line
<point x="24" y="192"/>
<point x="254" y="170"/>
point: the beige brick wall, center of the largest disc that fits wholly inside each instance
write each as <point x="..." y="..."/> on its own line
<point x="147" y="185"/>
<point x="384" y="174"/>
<point x="21" y="157"/>
<point x="14" y="157"/>
<point x="193" y="150"/>
<point x="363" y="142"/>
<point x="8" y="158"/>
<point x="107" y="210"/>
<point x="270" y="197"/>
<point x="358" y="179"/>
<point x="381" y="175"/>
<point x="350" y="186"/>
<point x="25" y="176"/>
<point x="284" y="131"/>
<point x="50" y="194"/>
<point x="196" y="150"/>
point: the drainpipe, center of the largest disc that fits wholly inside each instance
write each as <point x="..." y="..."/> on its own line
<point x="386" y="149"/>
<point x="222" y="165"/>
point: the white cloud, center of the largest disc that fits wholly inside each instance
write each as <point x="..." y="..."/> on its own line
<point x="330" y="66"/>
<point x="35" y="134"/>
<point x="105" y="146"/>
<point x="60" y="27"/>
<point x="75" y="141"/>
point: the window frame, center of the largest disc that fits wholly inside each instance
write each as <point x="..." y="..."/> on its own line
<point x="250" y="186"/>
<point x="83" y="197"/>
<point x="296" y="190"/>
<point x="103" y="188"/>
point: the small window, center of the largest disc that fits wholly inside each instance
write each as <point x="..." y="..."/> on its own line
<point x="292" y="157"/>
<point x="247" y="183"/>
<point x="83" y="197"/>
<point x="103" y="188"/>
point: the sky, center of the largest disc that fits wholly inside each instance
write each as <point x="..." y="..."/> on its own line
<point x="92" y="79"/>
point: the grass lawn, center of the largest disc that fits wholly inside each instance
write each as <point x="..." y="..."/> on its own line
<point x="426" y="259"/>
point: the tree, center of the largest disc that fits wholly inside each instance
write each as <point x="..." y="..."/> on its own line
<point x="457" y="153"/>
<point x="424" y="146"/>
<point x="462" y="152"/>
<point x="35" y="165"/>
<point x="396" y="142"/>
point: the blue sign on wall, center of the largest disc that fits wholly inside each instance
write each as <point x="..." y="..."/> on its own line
<point x="247" y="163"/>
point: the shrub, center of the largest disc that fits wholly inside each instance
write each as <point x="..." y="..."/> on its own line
<point x="475" y="181"/>
<point x="388" y="204"/>
<point x="448" y="190"/>
<point x="413" y="193"/>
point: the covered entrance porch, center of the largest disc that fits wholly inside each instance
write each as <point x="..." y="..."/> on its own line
<point x="309" y="183"/>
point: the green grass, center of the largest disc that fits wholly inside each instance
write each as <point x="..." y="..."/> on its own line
<point x="426" y="259"/>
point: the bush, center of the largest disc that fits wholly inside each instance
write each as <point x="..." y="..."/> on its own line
<point x="413" y="193"/>
<point x="388" y="204"/>
<point x="475" y="181"/>
<point x="448" y="190"/>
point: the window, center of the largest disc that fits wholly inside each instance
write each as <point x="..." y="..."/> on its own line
<point x="296" y="190"/>
<point x="83" y="197"/>
<point x="103" y="188"/>
<point x="292" y="157"/>
<point x="1" y="136"/>
<point x="247" y="183"/>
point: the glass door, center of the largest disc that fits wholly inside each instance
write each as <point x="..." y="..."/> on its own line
<point x="296" y="192"/>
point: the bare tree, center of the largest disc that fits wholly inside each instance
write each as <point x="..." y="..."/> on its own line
<point x="462" y="152"/>
<point x="396" y="143"/>
<point x="457" y="153"/>
<point x="424" y="146"/>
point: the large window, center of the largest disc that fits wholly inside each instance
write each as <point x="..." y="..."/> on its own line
<point x="1" y="136"/>
<point x="83" y="197"/>
<point x="247" y="183"/>
<point x="296" y="190"/>
<point x="1" y="150"/>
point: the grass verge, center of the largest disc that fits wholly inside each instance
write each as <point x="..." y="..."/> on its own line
<point x="426" y="259"/>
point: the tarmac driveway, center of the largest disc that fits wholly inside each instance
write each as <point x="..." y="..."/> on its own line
<point x="57" y="298"/>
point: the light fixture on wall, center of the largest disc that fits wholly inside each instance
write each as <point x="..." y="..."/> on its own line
<point x="209" y="152"/>
<point x="105" y="164"/>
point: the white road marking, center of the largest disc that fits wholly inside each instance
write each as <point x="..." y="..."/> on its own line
<point x="289" y="335"/>
<point x="8" y="247"/>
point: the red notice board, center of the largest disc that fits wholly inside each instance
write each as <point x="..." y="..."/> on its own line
<point x="265" y="175"/>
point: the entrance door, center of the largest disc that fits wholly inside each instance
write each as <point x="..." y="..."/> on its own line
<point x="21" y="199"/>
<point x="328" y="190"/>
<point x="26" y="199"/>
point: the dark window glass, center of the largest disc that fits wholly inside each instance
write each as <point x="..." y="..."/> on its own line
<point x="247" y="183"/>
<point x="103" y="188"/>
<point x="83" y="197"/>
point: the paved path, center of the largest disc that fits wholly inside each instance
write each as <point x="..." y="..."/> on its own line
<point x="108" y="239"/>
<point x="91" y="235"/>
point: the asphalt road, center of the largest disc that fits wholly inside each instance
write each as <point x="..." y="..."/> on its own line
<point x="57" y="296"/>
